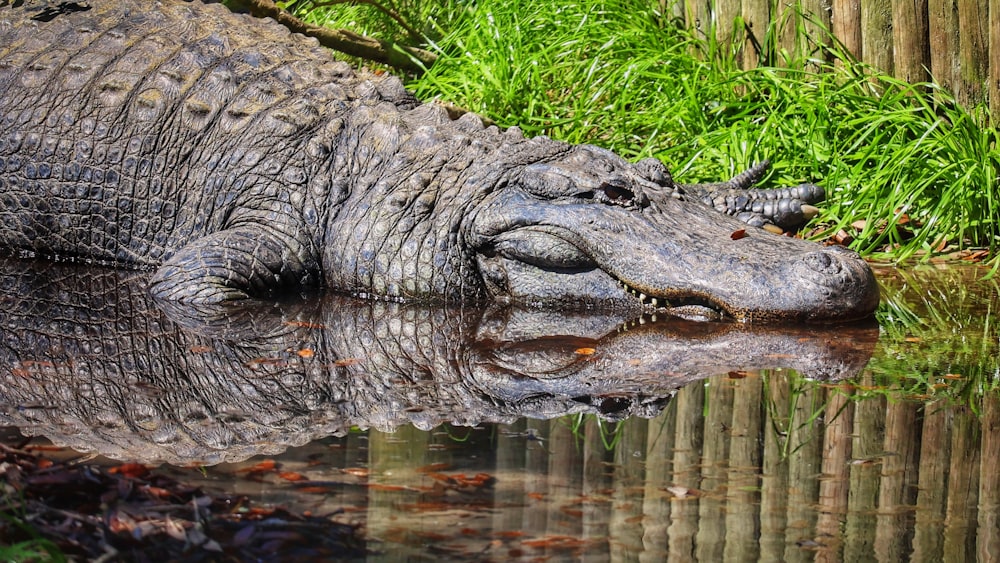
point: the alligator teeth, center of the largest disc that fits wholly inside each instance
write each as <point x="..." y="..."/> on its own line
<point x="642" y="297"/>
<point x="655" y="303"/>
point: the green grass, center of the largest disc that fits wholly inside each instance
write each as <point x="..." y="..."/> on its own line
<point x="33" y="548"/>
<point x="908" y="172"/>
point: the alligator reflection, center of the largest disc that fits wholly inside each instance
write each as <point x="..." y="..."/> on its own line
<point x="91" y="362"/>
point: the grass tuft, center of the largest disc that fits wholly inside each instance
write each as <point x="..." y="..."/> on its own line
<point x="909" y="173"/>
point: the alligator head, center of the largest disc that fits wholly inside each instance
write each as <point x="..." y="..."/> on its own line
<point x="589" y="228"/>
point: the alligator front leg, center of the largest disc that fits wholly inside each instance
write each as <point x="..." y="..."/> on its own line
<point x="786" y="208"/>
<point x="232" y="264"/>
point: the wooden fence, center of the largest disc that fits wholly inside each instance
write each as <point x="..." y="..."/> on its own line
<point x="949" y="42"/>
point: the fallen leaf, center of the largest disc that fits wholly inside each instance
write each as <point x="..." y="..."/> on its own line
<point x="585" y="351"/>
<point x="262" y="467"/>
<point x="132" y="470"/>
<point x="315" y="489"/>
<point x="383" y="487"/>
<point x="842" y="237"/>
<point x="738" y="234"/>
<point x="306" y="353"/>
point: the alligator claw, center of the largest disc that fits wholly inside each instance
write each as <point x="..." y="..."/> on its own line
<point x="785" y="208"/>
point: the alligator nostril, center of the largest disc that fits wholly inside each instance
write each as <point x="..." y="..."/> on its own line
<point x="822" y="261"/>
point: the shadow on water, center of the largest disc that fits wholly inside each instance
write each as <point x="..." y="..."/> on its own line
<point x="499" y="433"/>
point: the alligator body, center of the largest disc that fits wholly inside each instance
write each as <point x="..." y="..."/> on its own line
<point x="235" y="159"/>
<point x="90" y="360"/>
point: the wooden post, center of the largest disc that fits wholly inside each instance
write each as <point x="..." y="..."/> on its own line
<point x="911" y="50"/>
<point x="963" y="487"/>
<point x="876" y="34"/>
<point x="835" y="472"/>
<point x="932" y="479"/>
<point x="898" y="486"/>
<point x="988" y="531"/>
<point x="942" y="29"/>
<point x="743" y="504"/>
<point x="993" y="91"/>
<point x="862" y="503"/>
<point x="711" y="536"/>
<point x="757" y="19"/>
<point x="846" y="25"/>
<point x="973" y="45"/>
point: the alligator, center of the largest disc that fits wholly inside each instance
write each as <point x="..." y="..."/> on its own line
<point x="233" y="160"/>
<point x="90" y="360"/>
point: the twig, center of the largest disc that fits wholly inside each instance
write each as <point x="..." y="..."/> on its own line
<point x="406" y="58"/>
<point x="413" y="33"/>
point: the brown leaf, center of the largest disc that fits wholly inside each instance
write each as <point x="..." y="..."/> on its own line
<point x="433" y="467"/>
<point x="266" y="465"/>
<point x="842" y="237"/>
<point x="131" y="470"/>
<point x="315" y="489"/>
<point x="738" y="234"/>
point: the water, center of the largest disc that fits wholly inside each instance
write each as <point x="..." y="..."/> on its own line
<point x="498" y="434"/>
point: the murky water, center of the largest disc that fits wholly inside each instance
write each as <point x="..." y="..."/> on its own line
<point x="498" y="434"/>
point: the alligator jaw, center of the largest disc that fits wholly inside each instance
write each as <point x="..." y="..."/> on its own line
<point x="562" y="276"/>
<point x="691" y="307"/>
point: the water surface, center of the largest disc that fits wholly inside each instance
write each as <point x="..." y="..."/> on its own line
<point x="499" y="433"/>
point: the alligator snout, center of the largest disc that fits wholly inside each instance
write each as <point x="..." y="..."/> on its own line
<point x="846" y="280"/>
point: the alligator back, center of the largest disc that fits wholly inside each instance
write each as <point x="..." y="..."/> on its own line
<point x="130" y="129"/>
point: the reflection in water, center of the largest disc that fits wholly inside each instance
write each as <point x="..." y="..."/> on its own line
<point x="751" y="464"/>
<point x="89" y="361"/>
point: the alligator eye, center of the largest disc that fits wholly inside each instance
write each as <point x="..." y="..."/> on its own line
<point x="617" y="193"/>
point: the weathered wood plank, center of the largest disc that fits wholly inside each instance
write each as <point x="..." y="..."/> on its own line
<point x="993" y="91"/>
<point x="757" y="19"/>
<point x="911" y="52"/>
<point x="973" y="45"/>
<point x="876" y="34"/>
<point x="948" y="42"/>
<point x="846" y="25"/>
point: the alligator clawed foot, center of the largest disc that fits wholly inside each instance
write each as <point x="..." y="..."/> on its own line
<point x="776" y="210"/>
